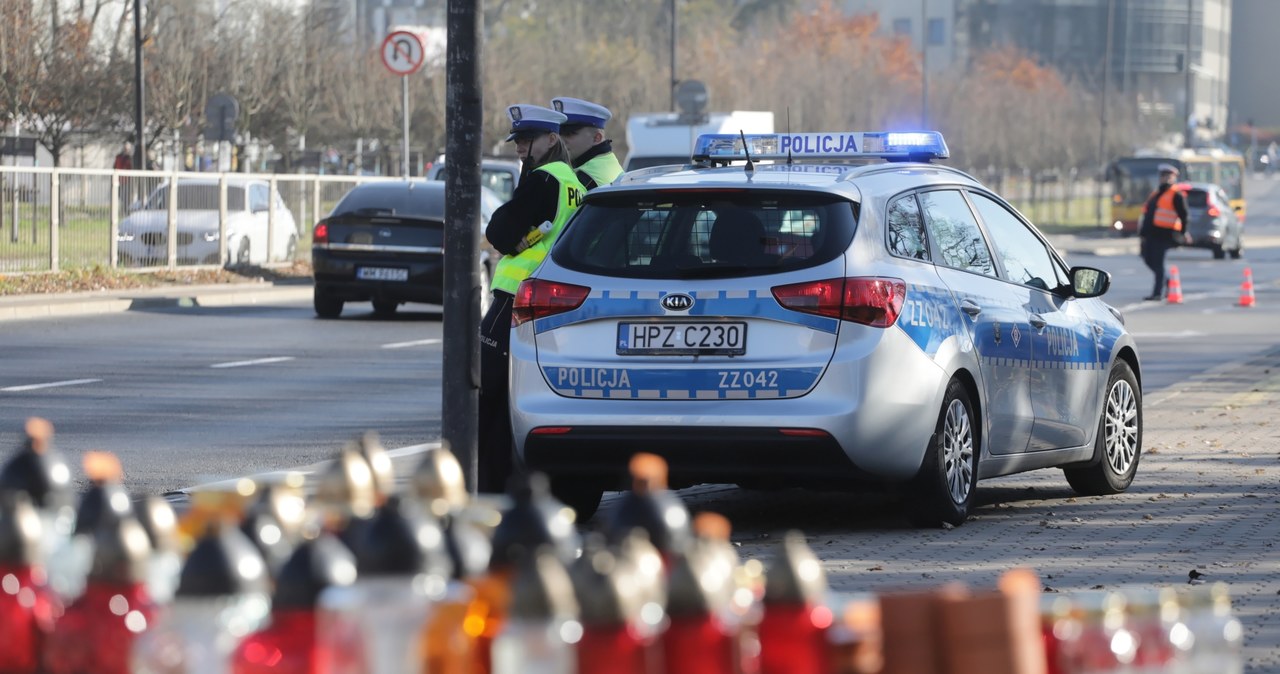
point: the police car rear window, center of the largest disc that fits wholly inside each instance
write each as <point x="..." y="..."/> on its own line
<point x="1197" y="198"/>
<point x="705" y="233"/>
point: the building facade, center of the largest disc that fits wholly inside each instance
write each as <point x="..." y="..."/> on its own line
<point x="1254" y="94"/>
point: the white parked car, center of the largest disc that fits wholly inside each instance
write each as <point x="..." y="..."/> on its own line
<point x="143" y="235"/>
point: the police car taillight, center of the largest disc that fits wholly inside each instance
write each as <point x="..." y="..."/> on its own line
<point x="321" y="233"/>
<point x="536" y="299"/>
<point x="874" y="301"/>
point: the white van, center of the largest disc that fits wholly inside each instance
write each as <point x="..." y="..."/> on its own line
<point x="655" y="139"/>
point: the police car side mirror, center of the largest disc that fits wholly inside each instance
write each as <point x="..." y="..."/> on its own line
<point x="1089" y="282"/>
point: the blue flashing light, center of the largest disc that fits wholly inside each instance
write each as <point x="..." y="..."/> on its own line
<point x="892" y="145"/>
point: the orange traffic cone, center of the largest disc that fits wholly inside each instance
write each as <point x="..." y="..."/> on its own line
<point x="1246" y="289"/>
<point x="1175" y="286"/>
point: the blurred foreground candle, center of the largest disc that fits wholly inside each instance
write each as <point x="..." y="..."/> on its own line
<point x="611" y="599"/>
<point x="1217" y="635"/>
<point x="534" y="519"/>
<point x="221" y="598"/>
<point x="99" y="630"/>
<point x="28" y="607"/>
<point x="698" y="639"/>
<point x="164" y="567"/>
<point x="374" y="625"/>
<point x="289" y="645"/>
<point x="38" y="469"/>
<point x="794" y="624"/>
<point x="540" y="635"/>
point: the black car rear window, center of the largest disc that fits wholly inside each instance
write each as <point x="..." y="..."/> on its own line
<point x="420" y="199"/>
<point x="1197" y="198"/>
<point x="705" y="233"/>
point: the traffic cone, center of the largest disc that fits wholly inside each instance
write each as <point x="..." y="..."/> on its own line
<point x="1175" y="286"/>
<point x="1246" y="289"/>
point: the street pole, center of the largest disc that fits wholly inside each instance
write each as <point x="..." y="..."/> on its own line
<point x="464" y="113"/>
<point x="140" y="143"/>
<point x="1102" y="111"/>
<point x="672" y="5"/>
<point x="404" y="126"/>
<point x="924" y="64"/>
<point x="1186" y="63"/>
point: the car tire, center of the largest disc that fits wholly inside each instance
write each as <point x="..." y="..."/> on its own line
<point x="1218" y="252"/>
<point x="943" y="490"/>
<point x="578" y="493"/>
<point x="385" y="308"/>
<point x="1238" y="251"/>
<point x="1119" y="442"/>
<point x="325" y="304"/>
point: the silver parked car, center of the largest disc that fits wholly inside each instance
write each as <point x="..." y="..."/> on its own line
<point x="143" y="235"/>
<point x="801" y="323"/>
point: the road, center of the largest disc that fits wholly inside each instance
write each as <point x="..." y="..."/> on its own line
<point x="191" y="394"/>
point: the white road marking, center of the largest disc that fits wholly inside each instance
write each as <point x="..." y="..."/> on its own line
<point x="259" y="361"/>
<point x="52" y="384"/>
<point x="1167" y="335"/>
<point x="402" y="345"/>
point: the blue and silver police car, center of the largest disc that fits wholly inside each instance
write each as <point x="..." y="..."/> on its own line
<point x="817" y="309"/>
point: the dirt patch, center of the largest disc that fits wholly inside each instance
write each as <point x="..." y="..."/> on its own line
<point x="105" y="278"/>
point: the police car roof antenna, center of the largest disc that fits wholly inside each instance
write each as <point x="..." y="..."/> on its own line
<point x="750" y="168"/>
<point x="789" y="161"/>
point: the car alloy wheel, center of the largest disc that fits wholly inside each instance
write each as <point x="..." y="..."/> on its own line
<point x="1118" y="446"/>
<point x="943" y="490"/>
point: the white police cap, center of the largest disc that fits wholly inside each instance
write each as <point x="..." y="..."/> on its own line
<point x="527" y="118"/>
<point x="1166" y="168"/>
<point x="582" y="112"/>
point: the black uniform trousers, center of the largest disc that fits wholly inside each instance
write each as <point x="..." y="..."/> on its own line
<point x="1153" y="250"/>
<point x="495" y="448"/>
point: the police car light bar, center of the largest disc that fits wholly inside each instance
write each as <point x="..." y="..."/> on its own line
<point x="891" y="145"/>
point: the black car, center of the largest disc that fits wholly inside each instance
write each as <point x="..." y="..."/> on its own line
<point x="1211" y="222"/>
<point x="384" y="243"/>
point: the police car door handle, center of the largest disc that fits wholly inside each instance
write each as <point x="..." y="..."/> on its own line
<point x="970" y="307"/>
<point x="1038" y="322"/>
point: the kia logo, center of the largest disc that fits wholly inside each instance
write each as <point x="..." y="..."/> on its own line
<point x="677" y="302"/>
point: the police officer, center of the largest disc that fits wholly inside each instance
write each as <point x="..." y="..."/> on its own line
<point x="1163" y="225"/>
<point x="583" y="133"/>
<point x="548" y="192"/>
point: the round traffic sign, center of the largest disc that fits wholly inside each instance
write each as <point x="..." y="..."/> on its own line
<point x="402" y="52"/>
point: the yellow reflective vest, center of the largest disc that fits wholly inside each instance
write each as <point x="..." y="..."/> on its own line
<point x="604" y="168"/>
<point x="512" y="269"/>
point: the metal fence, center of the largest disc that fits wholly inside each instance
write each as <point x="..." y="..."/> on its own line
<point x="54" y="218"/>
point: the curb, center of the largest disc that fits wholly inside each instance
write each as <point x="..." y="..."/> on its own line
<point x="26" y="307"/>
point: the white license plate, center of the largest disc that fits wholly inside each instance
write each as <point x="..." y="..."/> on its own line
<point x="382" y="274"/>
<point x="718" y="338"/>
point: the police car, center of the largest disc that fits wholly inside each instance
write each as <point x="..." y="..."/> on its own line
<point x="789" y="309"/>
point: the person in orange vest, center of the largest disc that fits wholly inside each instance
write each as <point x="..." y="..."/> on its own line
<point x="1163" y="226"/>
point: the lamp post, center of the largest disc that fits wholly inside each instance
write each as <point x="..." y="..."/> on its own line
<point x="140" y="144"/>
<point x="672" y="6"/>
<point x="1102" y="112"/>
<point x="924" y="64"/>
<point x="1186" y="61"/>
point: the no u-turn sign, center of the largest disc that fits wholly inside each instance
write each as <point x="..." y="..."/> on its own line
<point x="402" y="52"/>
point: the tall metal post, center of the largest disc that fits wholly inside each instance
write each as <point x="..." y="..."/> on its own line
<point x="461" y="363"/>
<point x="924" y="64"/>
<point x="404" y="126"/>
<point x="672" y="6"/>
<point x="1102" y="111"/>
<point x="139" y="138"/>
<point x="1186" y="64"/>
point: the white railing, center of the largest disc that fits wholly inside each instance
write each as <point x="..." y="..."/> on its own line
<point x="54" y="218"/>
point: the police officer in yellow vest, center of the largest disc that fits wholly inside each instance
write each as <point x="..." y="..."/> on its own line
<point x="549" y="193"/>
<point x="583" y="133"/>
<point x="1163" y="225"/>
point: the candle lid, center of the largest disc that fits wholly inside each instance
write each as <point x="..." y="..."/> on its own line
<point x="439" y="477"/>
<point x="223" y="562"/>
<point x="542" y="589"/>
<point x="38" y="468"/>
<point x="534" y="519"/>
<point x="159" y="521"/>
<point x="120" y="551"/>
<point x="316" y="564"/>
<point x="607" y="595"/>
<point x="402" y="540"/>
<point x="796" y="577"/>
<point x="346" y="487"/>
<point x="651" y="506"/>
<point x="20" y="529"/>
<point x="371" y="450"/>
<point x="106" y="498"/>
